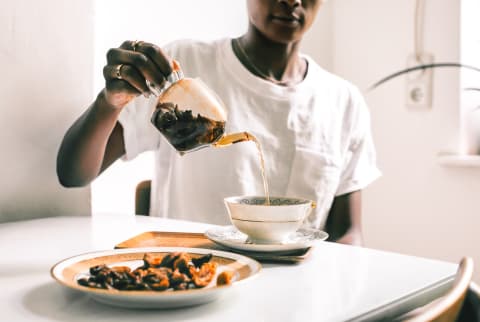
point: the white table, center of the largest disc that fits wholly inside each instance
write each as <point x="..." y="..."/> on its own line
<point x="336" y="283"/>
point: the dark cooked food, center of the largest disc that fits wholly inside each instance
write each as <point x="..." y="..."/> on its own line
<point x="184" y="130"/>
<point x="173" y="271"/>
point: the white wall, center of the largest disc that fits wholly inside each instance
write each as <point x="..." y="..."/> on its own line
<point x="470" y="54"/>
<point x="46" y="82"/>
<point x="418" y="207"/>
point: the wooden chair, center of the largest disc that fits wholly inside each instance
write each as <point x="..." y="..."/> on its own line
<point x="448" y="307"/>
<point x="142" y="197"/>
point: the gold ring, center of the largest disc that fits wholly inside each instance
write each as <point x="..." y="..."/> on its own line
<point x="118" y="71"/>
<point x="135" y="44"/>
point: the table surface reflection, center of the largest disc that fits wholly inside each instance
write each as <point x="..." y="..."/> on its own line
<point x="336" y="283"/>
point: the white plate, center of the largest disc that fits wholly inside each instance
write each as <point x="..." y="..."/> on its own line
<point x="230" y="237"/>
<point x="68" y="271"/>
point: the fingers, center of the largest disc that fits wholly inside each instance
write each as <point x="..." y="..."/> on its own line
<point x="136" y="67"/>
<point x="158" y="56"/>
<point x="126" y="75"/>
<point x="143" y="64"/>
<point x="153" y="52"/>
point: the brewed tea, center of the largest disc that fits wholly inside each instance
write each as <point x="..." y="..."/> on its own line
<point x="242" y="137"/>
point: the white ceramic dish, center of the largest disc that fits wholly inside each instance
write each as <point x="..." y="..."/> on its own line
<point x="69" y="270"/>
<point x="230" y="237"/>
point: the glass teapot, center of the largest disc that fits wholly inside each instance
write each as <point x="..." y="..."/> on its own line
<point x="190" y="115"/>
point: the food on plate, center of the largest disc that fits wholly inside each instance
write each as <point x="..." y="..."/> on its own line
<point x="203" y="275"/>
<point x="225" y="278"/>
<point x="173" y="271"/>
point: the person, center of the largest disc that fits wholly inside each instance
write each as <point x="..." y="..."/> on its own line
<point x="314" y="127"/>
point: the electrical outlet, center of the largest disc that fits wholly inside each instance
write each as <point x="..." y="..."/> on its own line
<point x="419" y="83"/>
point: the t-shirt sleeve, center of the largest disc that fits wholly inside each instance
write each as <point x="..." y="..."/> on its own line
<point x="360" y="166"/>
<point x="139" y="134"/>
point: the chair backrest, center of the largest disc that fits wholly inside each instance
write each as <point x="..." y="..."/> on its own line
<point x="447" y="308"/>
<point x="142" y="197"/>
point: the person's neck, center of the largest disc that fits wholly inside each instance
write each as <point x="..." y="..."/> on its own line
<point x="277" y="62"/>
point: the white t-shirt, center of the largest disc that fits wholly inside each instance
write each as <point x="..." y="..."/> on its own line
<point x="315" y="136"/>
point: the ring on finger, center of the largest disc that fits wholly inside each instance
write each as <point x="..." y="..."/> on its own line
<point x="118" y="71"/>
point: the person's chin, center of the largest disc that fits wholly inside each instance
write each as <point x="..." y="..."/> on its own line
<point x="285" y="33"/>
<point x="284" y="37"/>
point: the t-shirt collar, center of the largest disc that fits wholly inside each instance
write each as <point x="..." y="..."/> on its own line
<point x="255" y="83"/>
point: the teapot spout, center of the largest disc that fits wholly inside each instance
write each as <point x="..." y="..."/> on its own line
<point x="233" y="138"/>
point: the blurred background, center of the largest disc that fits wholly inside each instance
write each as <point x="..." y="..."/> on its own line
<point x="425" y="203"/>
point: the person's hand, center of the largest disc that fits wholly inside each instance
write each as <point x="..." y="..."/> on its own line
<point x="130" y="67"/>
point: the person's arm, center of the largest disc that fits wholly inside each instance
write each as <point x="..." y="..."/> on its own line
<point x="344" y="219"/>
<point x="90" y="145"/>
<point x="95" y="140"/>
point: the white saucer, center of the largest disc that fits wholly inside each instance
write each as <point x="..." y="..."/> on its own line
<point x="230" y="237"/>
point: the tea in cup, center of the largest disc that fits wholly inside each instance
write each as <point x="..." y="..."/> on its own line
<point x="268" y="223"/>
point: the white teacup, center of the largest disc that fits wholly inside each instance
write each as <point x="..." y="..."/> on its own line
<point x="268" y="224"/>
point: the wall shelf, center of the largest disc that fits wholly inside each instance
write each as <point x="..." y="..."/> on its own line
<point x="459" y="160"/>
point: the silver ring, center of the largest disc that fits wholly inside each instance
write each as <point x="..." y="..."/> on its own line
<point x="118" y="71"/>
